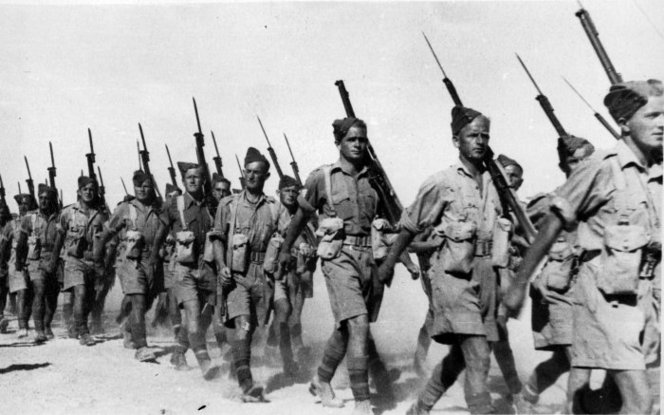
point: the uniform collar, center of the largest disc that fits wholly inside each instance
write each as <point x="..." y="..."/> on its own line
<point x="140" y="206"/>
<point x="189" y="200"/>
<point x="338" y="165"/>
<point x="626" y="156"/>
<point x="243" y="197"/>
<point x="77" y="206"/>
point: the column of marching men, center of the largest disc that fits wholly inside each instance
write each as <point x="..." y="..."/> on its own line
<point x="243" y="263"/>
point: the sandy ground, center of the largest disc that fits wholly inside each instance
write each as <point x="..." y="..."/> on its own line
<point x="62" y="377"/>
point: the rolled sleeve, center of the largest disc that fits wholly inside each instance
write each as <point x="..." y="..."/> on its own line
<point x="221" y="218"/>
<point x="428" y="206"/>
<point x="312" y="196"/>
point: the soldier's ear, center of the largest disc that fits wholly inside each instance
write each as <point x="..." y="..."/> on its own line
<point x="624" y="128"/>
<point x="455" y="140"/>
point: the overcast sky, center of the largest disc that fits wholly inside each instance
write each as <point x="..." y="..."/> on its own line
<point x="64" y="68"/>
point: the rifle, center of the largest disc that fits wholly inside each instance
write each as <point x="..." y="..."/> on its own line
<point x="3" y="197"/>
<point x="506" y="194"/>
<point x="145" y="157"/>
<point x="597" y="115"/>
<point x="91" y="158"/>
<point x="171" y="170"/>
<point x="296" y="169"/>
<point x="124" y="186"/>
<point x="243" y="181"/>
<point x="51" y="170"/>
<point x="270" y="150"/>
<point x="217" y="159"/>
<point x="200" y="154"/>
<point x="138" y="152"/>
<point x="102" y="190"/>
<point x="544" y="103"/>
<point x="392" y="207"/>
<point x="593" y="36"/>
<point x="31" y="185"/>
<point x="19" y="188"/>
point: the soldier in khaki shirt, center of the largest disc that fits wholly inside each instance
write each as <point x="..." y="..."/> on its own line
<point x="615" y="197"/>
<point x="462" y="204"/>
<point x="5" y="247"/>
<point x="36" y="241"/>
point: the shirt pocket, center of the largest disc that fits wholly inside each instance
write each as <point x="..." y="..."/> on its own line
<point x="342" y="203"/>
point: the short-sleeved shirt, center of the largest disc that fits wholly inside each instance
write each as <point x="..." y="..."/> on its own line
<point x="451" y="196"/>
<point x="41" y="226"/>
<point x="10" y="233"/>
<point x="588" y="196"/>
<point x="76" y="223"/>
<point x="285" y="218"/>
<point x="199" y="220"/>
<point x="148" y="219"/>
<point x="255" y="220"/>
<point x="354" y="200"/>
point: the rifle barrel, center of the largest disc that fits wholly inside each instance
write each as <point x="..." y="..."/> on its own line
<point x="50" y="147"/>
<point x="294" y="166"/>
<point x="270" y="150"/>
<point x="597" y="115"/>
<point x="214" y="141"/>
<point x="198" y="120"/>
<point x="593" y="36"/>
<point x="124" y="186"/>
<point x="525" y="68"/>
<point x="28" y="167"/>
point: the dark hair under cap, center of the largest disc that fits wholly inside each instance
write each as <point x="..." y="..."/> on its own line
<point x="462" y="116"/>
<point x="506" y="161"/>
<point x="50" y="192"/>
<point x="253" y="155"/>
<point x="341" y="127"/>
<point x="624" y="99"/>
<point x="287" y="181"/>
<point x="139" y="177"/>
<point x="185" y="166"/>
<point x="19" y="198"/>
<point x="84" y="181"/>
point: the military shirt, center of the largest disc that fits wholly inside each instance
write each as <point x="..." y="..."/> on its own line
<point x="148" y="219"/>
<point x="199" y="220"/>
<point x="10" y="233"/>
<point x="74" y="223"/>
<point x="45" y="228"/>
<point x="255" y="220"/>
<point x="354" y="200"/>
<point x="451" y="196"/>
<point x="589" y="193"/>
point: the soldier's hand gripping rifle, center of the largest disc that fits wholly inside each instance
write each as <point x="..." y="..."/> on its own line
<point x="390" y="203"/>
<point x="270" y="150"/>
<point x="505" y="192"/>
<point x="171" y="169"/>
<point x="593" y="36"/>
<point x="91" y="158"/>
<point x="296" y="169"/>
<point x="31" y="184"/>
<point x="243" y="181"/>
<point x="217" y="159"/>
<point x="597" y="115"/>
<point x="145" y="157"/>
<point x="51" y="172"/>
<point x="200" y="154"/>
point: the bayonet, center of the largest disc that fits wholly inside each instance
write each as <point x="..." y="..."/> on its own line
<point x="124" y="186"/>
<point x="31" y="185"/>
<point x="597" y="115"/>
<point x="217" y="159"/>
<point x="51" y="170"/>
<point x="448" y="83"/>
<point x="171" y="169"/>
<point x="294" y="166"/>
<point x="270" y="150"/>
<point x="243" y="181"/>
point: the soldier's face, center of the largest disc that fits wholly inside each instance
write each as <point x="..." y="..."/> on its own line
<point x="255" y="174"/>
<point x="288" y="195"/>
<point x="646" y="127"/>
<point x="353" y="146"/>
<point x="193" y="180"/>
<point x="514" y="176"/>
<point x="24" y="206"/>
<point x="221" y="190"/>
<point x="46" y="203"/>
<point x="171" y="195"/>
<point x="473" y="139"/>
<point x="87" y="192"/>
<point x="144" y="192"/>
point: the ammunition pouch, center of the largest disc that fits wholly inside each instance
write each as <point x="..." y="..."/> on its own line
<point x="380" y="241"/>
<point x="185" y="247"/>
<point x="558" y="270"/>
<point x="135" y="242"/>
<point x="332" y="232"/>
<point x="458" y="249"/>
<point x="239" y="253"/>
<point x="271" y="261"/>
<point x="34" y="248"/>
<point x="621" y="259"/>
<point x="76" y="243"/>
<point x="500" y="251"/>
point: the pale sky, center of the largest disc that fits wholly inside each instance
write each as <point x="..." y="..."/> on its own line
<point x="64" y="68"/>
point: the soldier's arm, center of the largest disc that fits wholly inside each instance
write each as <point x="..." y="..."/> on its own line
<point x="306" y="208"/>
<point x="220" y="226"/>
<point x="22" y="242"/>
<point x="111" y="228"/>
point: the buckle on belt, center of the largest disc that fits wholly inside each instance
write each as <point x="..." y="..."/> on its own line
<point x="483" y="247"/>
<point x="363" y="241"/>
<point x="589" y="255"/>
<point x="257" y="257"/>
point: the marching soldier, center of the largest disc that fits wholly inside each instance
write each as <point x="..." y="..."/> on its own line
<point x="615" y="198"/>
<point x="79" y="227"/>
<point x="245" y="223"/>
<point x="342" y="193"/>
<point x="462" y="204"/>
<point x="139" y="266"/>
<point x="221" y="186"/>
<point x="19" y="282"/>
<point x="188" y="219"/>
<point x="36" y="242"/>
<point x="5" y="252"/>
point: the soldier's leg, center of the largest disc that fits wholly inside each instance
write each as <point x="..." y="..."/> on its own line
<point x="380" y="375"/>
<point x="24" y="307"/>
<point x="297" y="298"/>
<point x="51" y="297"/>
<point x="282" y="312"/>
<point x="634" y="390"/>
<point x="196" y="333"/>
<point x="505" y="358"/>
<point x="547" y="373"/>
<point x="333" y="354"/>
<point x="577" y="383"/>
<point x="241" y="346"/>
<point x="422" y="348"/>
<point x="137" y="319"/>
<point x="39" y="308"/>
<point x="476" y="354"/>
<point x="357" y="361"/>
<point x="442" y="378"/>
<point x="80" y="310"/>
<point x="4" y="291"/>
<point x="179" y="329"/>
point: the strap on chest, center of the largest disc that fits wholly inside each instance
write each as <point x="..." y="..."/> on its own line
<point x="327" y="177"/>
<point x="180" y="205"/>
<point x="133" y="215"/>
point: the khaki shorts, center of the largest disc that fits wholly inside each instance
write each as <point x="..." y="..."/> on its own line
<point x="552" y="322"/>
<point x="464" y="305"/>
<point x="135" y="279"/>
<point x="609" y="332"/>
<point x="36" y="269"/>
<point x="249" y="296"/>
<point x="18" y="280"/>
<point x="194" y="284"/>
<point x="77" y="272"/>
<point x="351" y="284"/>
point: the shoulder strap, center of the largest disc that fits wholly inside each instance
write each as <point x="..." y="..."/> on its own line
<point x="327" y="176"/>
<point x="618" y="174"/>
<point x="133" y="215"/>
<point x="180" y="203"/>
<point x="34" y="222"/>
